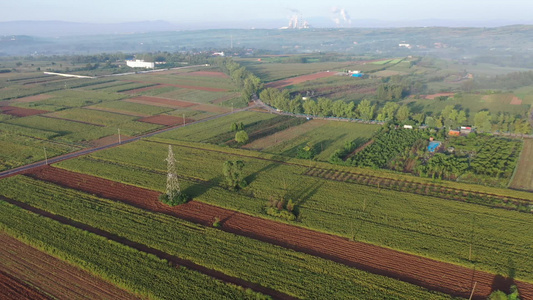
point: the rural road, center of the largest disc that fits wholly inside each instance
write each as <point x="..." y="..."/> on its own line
<point x="56" y="159"/>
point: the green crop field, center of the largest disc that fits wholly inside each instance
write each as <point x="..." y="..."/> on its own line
<point x="19" y="150"/>
<point x="130" y="107"/>
<point x="276" y="71"/>
<point x="119" y="264"/>
<point x="428" y="226"/>
<point x="326" y="139"/>
<point x="75" y="132"/>
<point x="258" y="262"/>
<point x="183" y="79"/>
<point x="189" y="95"/>
<point x="203" y="132"/>
<point x="72" y="98"/>
<point x="470" y="102"/>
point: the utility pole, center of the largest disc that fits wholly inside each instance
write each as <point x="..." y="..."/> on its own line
<point x="473" y="289"/>
<point x="119" y="141"/>
<point x="231" y="107"/>
<point x="183" y="119"/>
<point x="45" y="156"/>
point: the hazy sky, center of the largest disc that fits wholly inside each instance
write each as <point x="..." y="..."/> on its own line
<point x="178" y="11"/>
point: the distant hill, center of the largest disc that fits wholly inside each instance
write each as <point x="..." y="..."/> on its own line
<point x="61" y="28"/>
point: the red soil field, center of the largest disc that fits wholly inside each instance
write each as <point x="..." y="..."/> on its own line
<point x="164" y="120"/>
<point x="299" y="79"/>
<point x="433" y="96"/>
<point x="160" y="101"/>
<point x="135" y="91"/>
<point x="11" y="288"/>
<point x="434" y="275"/>
<point x="50" y="275"/>
<point x="207" y="74"/>
<point x="21" y="112"/>
<point x="516" y="101"/>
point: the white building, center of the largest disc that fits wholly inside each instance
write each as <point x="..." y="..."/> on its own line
<point x="138" y="63"/>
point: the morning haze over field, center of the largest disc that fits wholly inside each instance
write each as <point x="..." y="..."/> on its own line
<point x="266" y="150"/>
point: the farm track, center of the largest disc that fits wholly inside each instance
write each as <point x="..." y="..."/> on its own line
<point x="176" y="261"/>
<point x="52" y="276"/>
<point x="434" y="275"/>
<point x="13" y="289"/>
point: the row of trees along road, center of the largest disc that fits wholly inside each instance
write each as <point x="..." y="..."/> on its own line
<point x="450" y="117"/>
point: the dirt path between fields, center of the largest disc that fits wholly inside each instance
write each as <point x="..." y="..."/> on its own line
<point x="434" y="275"/>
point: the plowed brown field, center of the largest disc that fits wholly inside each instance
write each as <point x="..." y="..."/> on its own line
<point x="299" y="79"/>
<point x="13" y="289"/>
<point x="21" y="112"/>
<point x="444" y="277"/>
<point x="51" y="275"/>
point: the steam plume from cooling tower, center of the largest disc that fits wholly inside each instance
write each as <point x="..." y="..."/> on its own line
<point x="340" y="16"/>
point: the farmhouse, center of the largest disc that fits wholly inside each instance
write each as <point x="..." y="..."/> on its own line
<point x="454" y="133"/>
<point x="139" y="63"/>
<point x="466" y="130"/>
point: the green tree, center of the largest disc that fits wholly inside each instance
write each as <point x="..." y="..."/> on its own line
<point x="232" y="170"/>
<point x="389" y="110"/>
<point x="482" y="121"/>
<point x="241" y="137"/>
<point x="403" y="113"/>
<point x="366" y="110"/>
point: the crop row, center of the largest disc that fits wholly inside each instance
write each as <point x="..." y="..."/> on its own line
<point x="271" y="266"/>
<point x="428" y="226"/>
<point x="140" y="273"/>
<point x="433" y="190"/>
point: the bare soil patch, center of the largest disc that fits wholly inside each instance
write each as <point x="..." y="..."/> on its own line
<point x="516" y="101"/>
<point x="52" y="276"/>
<point x="12" y="288"/>
<point x="21" y="112"/>
<point x="207" y="74"/>
<point x="157" y="101"/>
<point x="299" y="79"/>
<point x="165" y="120"/>
<point x="434" y="275"/>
